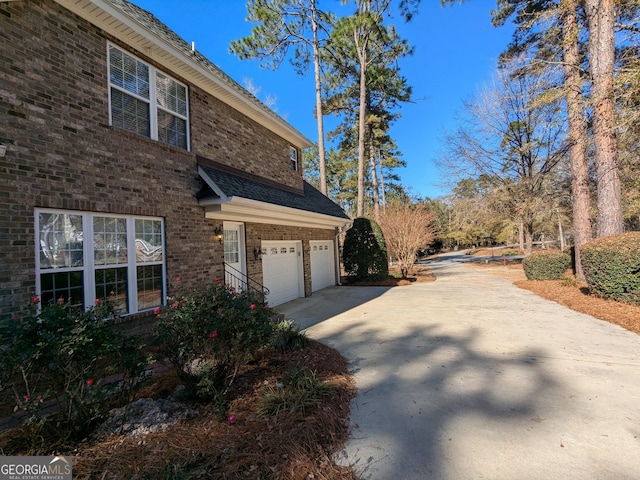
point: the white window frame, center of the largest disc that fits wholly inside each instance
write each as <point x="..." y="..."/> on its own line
<point x="89" y="267"/>
<point x="152" y="101"/>
<point x="293" y="158"/>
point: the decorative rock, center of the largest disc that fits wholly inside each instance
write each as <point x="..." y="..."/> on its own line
<point x="145" y="416"/>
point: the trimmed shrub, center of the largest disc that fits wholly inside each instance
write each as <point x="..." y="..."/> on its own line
<point x="546" y="265"/>
<point x="612" y="266"/>
<point x="364" y="253"/>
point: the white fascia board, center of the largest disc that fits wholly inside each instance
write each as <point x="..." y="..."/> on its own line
<point x="253" y="211"/>
<point x="117" y="23"/>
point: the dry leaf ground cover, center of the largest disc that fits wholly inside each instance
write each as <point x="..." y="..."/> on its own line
<point x="569" y="293"/>
<point x="289" y="445"/>
<point x="419" y="273"/>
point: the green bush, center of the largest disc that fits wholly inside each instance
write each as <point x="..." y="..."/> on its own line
<point x="208" y="334"/>
<point x="612" y="266"/>
<point x="56" y="362"/>
<point x="364" y="253"/>
<point x="546" y="265"/>
<point x="287" y="337"/>
<point x="300" y="389"/>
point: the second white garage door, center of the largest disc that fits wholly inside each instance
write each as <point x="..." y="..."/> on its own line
<point x="282" y="271"/>
<point x="323" y="273"/>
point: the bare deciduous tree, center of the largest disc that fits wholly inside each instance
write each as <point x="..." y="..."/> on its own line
<point x="513" y="138"/>
<point x="407" y="227"/>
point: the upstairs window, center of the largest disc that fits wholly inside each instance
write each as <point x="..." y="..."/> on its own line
<point x="147" y="102"/>
<point x="293" y="158"/>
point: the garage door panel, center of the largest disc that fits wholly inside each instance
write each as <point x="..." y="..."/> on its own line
<point x="281" y="271"/>
<point x="322" y="264"/>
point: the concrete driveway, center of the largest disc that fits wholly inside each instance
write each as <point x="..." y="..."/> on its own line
<point x="469" y="377"/>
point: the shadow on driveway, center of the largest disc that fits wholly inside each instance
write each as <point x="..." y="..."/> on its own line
<point x="469" y="377"/>
<point x="428" y="402"/>
<point x="327" y="303"/>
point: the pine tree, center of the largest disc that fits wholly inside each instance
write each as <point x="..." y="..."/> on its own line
<point x="283" y="25"/>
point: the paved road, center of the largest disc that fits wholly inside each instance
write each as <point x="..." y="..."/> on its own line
<point x="469" y="377"/>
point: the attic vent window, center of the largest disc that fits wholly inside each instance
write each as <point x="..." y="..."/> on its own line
<point x="293" y="158"/>
<point x="147" y="102"/>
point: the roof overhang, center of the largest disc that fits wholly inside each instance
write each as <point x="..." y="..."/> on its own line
<point x="253" y="211"/>
<point x="235" y="208"/>
<point x="112" y="20"/>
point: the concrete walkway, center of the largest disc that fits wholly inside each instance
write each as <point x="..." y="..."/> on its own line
<point x="469" y="377"/>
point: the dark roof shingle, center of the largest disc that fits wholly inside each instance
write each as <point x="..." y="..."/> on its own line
<point x="311" y="200"/>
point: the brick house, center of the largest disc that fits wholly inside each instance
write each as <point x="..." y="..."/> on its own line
<point x="131" y="166"/>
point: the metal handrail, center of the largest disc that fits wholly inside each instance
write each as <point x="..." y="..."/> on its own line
<point x="241" y="282"/>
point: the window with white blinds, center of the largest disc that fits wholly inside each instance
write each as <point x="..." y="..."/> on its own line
<point x="145" y="101"/>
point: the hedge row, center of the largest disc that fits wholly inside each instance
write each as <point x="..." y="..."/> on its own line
<point x="546" y="265"/>
<point x="611" y="266"/>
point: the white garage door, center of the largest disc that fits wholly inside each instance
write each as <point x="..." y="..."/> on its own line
<point x="282" y="271"/>
<point x="323" y="273"/>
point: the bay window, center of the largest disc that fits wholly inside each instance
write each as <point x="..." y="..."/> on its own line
<point x="84" y="257"/>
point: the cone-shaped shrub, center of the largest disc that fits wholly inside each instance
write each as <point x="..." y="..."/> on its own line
<point x="364" y="253"/>
<point x="612" y="266"/>
<point x="546" y="265"/>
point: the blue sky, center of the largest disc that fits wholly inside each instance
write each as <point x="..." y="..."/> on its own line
<point x="456" y="48"/>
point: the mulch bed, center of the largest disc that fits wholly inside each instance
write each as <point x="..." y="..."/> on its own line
<point x="298" y="445"/>
<point x="418" y="274"/>
<point x="285" y="446"/>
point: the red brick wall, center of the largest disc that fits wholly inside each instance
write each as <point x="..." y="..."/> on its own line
<point x="224" y="135"/>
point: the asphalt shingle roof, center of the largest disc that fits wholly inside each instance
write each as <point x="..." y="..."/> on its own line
<point x="311" y="200"/>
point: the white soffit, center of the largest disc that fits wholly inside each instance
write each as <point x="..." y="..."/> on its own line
<point x="246" y="210"/>
<point x="253" y="211"/>
<point x="113" y="21"/>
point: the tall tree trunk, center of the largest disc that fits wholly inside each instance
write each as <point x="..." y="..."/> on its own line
<point x="561" y="233"/>
<point x="521" y="236"/>
<point x="383" y="195"/>
<point x="361" y="133"/>
<point x="601" y="17"/>
<point x="374" y="179"/>
<point x="577" y="133"/>
<point x="319" y="114"/>
<point x="528" y="238"/>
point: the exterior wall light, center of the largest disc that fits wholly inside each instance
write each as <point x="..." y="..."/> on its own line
<point x="218" y="232"/>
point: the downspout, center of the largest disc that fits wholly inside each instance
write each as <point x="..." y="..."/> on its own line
<point x="336" y="254"/>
